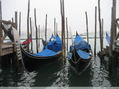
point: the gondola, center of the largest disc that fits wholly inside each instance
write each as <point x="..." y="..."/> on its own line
<point x="50" y="53"/>
<point x="80" y="55"/>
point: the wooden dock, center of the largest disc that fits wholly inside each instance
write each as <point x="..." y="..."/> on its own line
<point x="12" y="46"/>
<point x="5" y="47"/>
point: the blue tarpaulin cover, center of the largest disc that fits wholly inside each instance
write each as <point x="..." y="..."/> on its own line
<point x="46" y="52"/>
<point x="55" y="45"/>
<point x="77" y="39"/>
<point x="108" y="38"/>
<point x="52" y="47"/>
<point x="80" y="46"/>
<point x="58" y="40"/>
<point x="52" y="38"/>
<point x="83" y="54"/>
<point x="79" y="43"/>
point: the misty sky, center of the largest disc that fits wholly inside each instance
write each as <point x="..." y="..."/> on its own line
<point x="74" y="11"/>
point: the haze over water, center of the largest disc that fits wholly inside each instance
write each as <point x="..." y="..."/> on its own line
<point x="74" y="11"/>
<point x="57" y="75"/>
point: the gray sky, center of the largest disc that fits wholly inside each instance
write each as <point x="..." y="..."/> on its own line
<point x="74" y="10"/>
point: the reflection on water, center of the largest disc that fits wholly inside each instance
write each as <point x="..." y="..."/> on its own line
<point x="57" y="75"/>
<point x="60" y="75"/>
<point x="99" y="74"/>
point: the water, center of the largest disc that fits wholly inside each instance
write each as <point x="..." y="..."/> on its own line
<point x="58" y="75"/>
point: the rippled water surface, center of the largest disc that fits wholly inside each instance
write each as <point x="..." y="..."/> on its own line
<point x="57" y="74"/>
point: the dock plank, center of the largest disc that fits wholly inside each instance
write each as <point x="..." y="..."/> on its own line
<point x="7" y="51"/>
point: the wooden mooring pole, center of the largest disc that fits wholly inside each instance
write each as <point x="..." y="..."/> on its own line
<point x="95" y="31"/>
<point x="102" y="32"/>
<point x="12" y="20"/>
<point x="31" y="35"/>
<point x="87" y="26"/>
<point x="19" y="23"/>
<point x="63" y="28"/>
<point x="112" y="53"/>
<point x="46" y="28"/>
<point x="36" y="30"/>
<point x="16" y="23"/>
<point x="0" y="32"/>
<point x="113" y="28"/>
<point x="28" y="24"/>
<point x="67" y="33"/>
<point x="55" y="27"/>
<point x="99" y="19"/>
<point x="39" y="37"/>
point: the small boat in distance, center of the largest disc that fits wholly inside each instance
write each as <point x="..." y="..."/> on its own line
<point x="50" y="53"/>
<point x="80" y="54"/>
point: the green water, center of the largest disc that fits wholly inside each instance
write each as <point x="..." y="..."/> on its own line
<point x="58" y="75"/>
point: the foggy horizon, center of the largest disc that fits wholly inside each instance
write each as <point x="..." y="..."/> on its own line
<point x="74" y="11"/>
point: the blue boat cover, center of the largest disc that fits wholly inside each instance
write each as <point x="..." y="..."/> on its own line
<point x="81" y="47"/>
<point x="77" y="40"/>
<point x="83" y="54"/>
<point x="51" y="48"/>
<point x="52" y="38"/>
<point x="58" y="40"/>
<point x="45" y="52"/>
<point x="55" y="45"/>
<point x="108" y="38"/>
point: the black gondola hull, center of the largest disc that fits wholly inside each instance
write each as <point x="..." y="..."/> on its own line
<point x="33" y="62"/>
<point x="79" y="64"/>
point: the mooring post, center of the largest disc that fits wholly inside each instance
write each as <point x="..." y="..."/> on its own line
<point x="67" y="33"/>
<point x="16" y="24"/>
<point x="55" y="27"/>
<point x="46" y="28"/>
<point x="111" y="38"/>
<point x="63" y="29"/>
<point x="36" y="30"/>
<point x="28" y="24"/>
<point x="112" y="61"/>
<point x="31" y="35"/>
<point x="12" y="20"/>
<point x="0" y="33"/>
<point x="87" y="26"/>
<point x="113" y="28"/>
<point x="99" y="18"/>
<point x="102" y="31"/>
<point x="39" y="37"/>
<point x="71" y="35"/>
<point x="19" y="23"/>
<point x="95" y="31"/>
